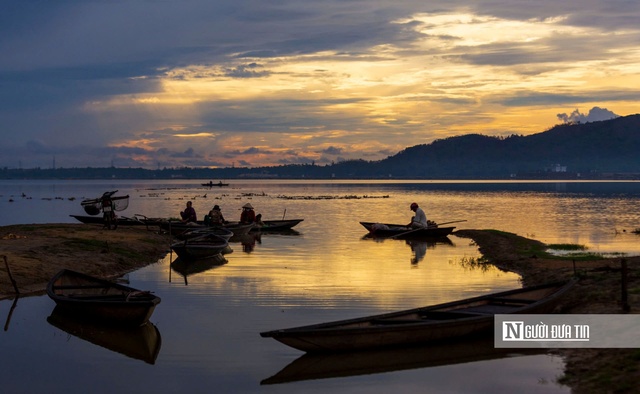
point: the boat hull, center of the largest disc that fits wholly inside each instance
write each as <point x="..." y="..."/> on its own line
<point x="201" y="247"/>
<point x="100" y="300"/>
<point x="421" y="325"/>
<point x="386" y="230"/>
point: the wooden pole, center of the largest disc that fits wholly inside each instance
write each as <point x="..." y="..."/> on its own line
<point x="623" y="286"/>
<point x="13" y="282"/>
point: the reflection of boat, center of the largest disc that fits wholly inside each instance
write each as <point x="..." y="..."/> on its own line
<point x="98" y="299"/>
<point x="333" y="365"/>
<point x="419" y="325"/>
<point x="402" y="231"/>
<point x="141" y="343"/>
<point x="192" y="267"/>
<point x="201" y="247"/>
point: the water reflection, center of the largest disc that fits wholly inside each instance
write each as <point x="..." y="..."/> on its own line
<point x="13" y="307"/>
<point x="141" y="343"/>
<point x="323" y="366"/>
<point x="418" y="246"/>
<point x="187" y="268"/>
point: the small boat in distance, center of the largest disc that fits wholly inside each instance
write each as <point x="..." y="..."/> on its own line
<point x="387" y="230"/>
<point x="455" y="319"/>
<point x="211" y="184"/>
<point x="97" y="299"/>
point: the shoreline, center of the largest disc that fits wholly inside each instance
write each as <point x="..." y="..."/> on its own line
<point x="35" y="252"/>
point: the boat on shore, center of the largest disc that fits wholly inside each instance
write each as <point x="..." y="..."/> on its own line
<point x="401" y="231"/>
<point x="101" y="300"/>
<point x="455" y="319"/>
<point x="120" y="220"/>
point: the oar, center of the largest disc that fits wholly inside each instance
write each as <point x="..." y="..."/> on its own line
<point x="407" y="232"/>
<point x="455" y="221"/>
<point x="423" y="228"/>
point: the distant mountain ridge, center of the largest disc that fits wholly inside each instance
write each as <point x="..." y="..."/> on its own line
<point x="611" y="146"/>
<point x="597" y="150"/>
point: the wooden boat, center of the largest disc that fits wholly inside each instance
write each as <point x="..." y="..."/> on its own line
<point x="207" y="245"/>
<point x="277" y="225"/>
<point x="121" y="220"/>
<point x="221" y="232"/>
<point x="176" y="228"/>
<point x="401" y="231"/>
<point x="140" y="343"/>
<point x="272" y="225"/>
<point x="98" y="299"/>
<point x="421" y="325"/>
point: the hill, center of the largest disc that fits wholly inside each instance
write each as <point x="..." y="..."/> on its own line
<point x="597" y="150"/>
<point x="581" y="150"/>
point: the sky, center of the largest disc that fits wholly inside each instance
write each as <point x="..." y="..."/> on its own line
<point x="201" y="83"/>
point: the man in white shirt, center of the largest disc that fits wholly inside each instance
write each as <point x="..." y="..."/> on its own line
<point x="420" y="219"/>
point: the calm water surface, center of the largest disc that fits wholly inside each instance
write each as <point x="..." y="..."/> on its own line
<point x="209" y="321"/>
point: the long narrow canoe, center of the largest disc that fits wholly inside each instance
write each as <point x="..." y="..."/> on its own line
<point x="98" y="299"/>
<point x="275" y="225"/>
<point x="421" y="325"/>
<point x="402" y="231"/>
<point x="121" y="220"/>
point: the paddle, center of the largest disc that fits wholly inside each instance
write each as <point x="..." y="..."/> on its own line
<point x="407" y="232"/>
<point x="455" y="221"/>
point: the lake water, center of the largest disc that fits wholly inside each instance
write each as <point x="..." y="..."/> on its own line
<point x="209" y="322"/>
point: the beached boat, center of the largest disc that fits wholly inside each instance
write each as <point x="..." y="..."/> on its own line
<point x="120" y="220"/>
<point x="422" y="325"/>
<point x="141" y="343"/>
<point x="98" y="299"/>
<point x="211" y="184"/>
<point x="384" y="230"/>
<point x="207" y="245"/>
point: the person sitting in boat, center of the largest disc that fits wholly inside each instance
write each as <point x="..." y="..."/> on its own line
<point x="215" y="217"/>
<point x="420" y="218"/>
<point x="259" y="221"/>
<point x="189" y="214"/>
<point x="248" y="215"/>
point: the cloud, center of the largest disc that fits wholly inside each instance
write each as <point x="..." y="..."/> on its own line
<point x="595" y="114"/>
<point x="291" y="82"/>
